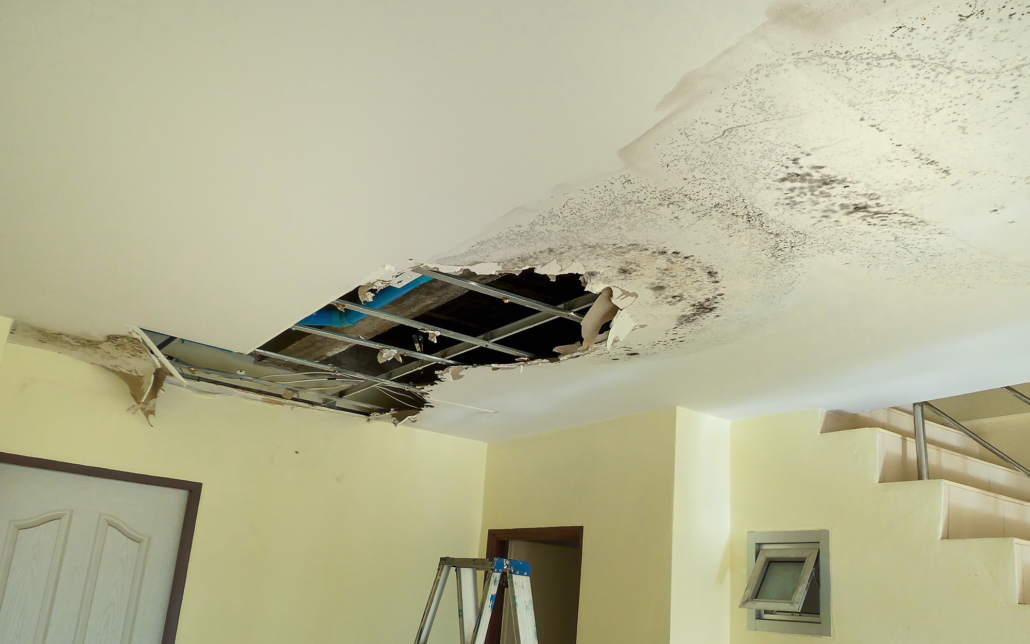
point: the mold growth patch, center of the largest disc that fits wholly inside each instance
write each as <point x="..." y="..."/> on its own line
<point x="888" y="139"/>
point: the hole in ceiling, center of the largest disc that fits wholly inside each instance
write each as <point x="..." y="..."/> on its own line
<point x="424" y="327"/>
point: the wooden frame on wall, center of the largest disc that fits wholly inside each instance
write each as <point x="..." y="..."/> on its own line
<point x="497" y="546"/>
<point x="189" y="520"/>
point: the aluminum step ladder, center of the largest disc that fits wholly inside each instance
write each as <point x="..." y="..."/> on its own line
<point x="474" y="611"/>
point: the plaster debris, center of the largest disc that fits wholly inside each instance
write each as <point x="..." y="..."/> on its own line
<point x="385" y="355"/>
<point x="432" y="335"/>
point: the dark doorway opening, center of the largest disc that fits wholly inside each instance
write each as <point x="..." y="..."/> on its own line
<point x="555" y="557"/>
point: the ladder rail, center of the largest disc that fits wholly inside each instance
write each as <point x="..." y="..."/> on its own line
<point x="470" y="602"/>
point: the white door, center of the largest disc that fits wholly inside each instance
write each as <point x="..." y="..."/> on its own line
<point x="85" y="560"/>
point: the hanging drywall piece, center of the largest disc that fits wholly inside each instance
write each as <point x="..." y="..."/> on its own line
<point x="148" y="402"/>
<point x="602" y="311"/>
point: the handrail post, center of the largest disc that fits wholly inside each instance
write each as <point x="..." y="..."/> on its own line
<point x="920" y="427"/>
<point x="981" y="442"/>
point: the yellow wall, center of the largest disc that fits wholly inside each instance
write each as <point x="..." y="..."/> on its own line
<point x="893" y="578"/>
<point x="5" y="328"/>
<point x="313" y="527"/>
<point x="701" y="531"/>
<point x="614" y="478"/>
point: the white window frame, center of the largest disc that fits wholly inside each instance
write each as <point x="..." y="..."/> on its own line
<point x="812" y="546"/>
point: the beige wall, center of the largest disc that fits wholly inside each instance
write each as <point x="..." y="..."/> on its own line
<point x="701" y="531"/>
<point x="893" y="578"/>
<point x="614" y="478"/>
<point x="313" y="527"/>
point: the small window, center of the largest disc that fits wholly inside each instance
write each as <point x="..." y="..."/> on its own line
<point x="788" y="587"/>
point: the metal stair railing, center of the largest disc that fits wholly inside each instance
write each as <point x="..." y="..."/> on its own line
<point x="919" y="419"/>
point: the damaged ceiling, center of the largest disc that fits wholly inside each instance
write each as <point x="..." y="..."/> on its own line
<point x="831" y="208"/>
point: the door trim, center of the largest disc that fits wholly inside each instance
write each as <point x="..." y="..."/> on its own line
<point x="189" y="519"/>
<point x="497" y="546"/>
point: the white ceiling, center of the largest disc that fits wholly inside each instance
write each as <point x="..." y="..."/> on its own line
<point x="217" y="172"/>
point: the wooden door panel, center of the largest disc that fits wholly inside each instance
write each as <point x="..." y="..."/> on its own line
<point x="30" y="565"/>
<point x="111" y="599"/>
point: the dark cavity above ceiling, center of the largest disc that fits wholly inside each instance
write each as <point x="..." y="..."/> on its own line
<point x="392" y="385"/>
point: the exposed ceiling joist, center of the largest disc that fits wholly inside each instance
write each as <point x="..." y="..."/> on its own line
<point x="422" y="326"/>
<point x="507" y="296"/>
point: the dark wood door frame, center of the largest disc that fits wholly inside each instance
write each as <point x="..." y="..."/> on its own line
<point x="497" y="546"/>
<point x="189" y="520"/>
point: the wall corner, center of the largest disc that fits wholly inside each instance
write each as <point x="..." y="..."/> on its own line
<point x="700" y="593"/>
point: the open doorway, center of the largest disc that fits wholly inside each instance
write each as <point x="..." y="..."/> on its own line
<point x="554" y="556"/>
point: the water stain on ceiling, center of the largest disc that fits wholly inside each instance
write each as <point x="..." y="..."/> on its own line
<point x="890" y="137"/>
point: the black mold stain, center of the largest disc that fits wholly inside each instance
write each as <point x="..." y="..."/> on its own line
<point x="700" y="310"/>
<point x="834" y="200"/>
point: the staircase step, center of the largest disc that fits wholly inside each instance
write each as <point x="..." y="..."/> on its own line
<point x="902" y="424"/>
<point x="972" y="513"/>
<point x="898" y="463"/>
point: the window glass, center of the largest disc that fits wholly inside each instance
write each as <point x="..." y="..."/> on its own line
<point x="781" y="580"/>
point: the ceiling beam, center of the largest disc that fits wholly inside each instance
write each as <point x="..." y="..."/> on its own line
<point x="422" y="326"/>
<point x="558" y="311"/>
<point x="373" y="344"/>
<point x="505" y="331"/>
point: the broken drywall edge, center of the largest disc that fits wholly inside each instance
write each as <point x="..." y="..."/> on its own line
<point x="155" y="353"/>
<point x="452" y="373"/>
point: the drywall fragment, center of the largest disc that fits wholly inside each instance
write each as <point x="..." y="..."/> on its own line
<point x="385" y="355"/>
<point x="432" y="335"/>
<point x="601" y="311"/>
<point x="452" y="373"/>
<point x="621" y="326"/>
<point x="148" y="402"/>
